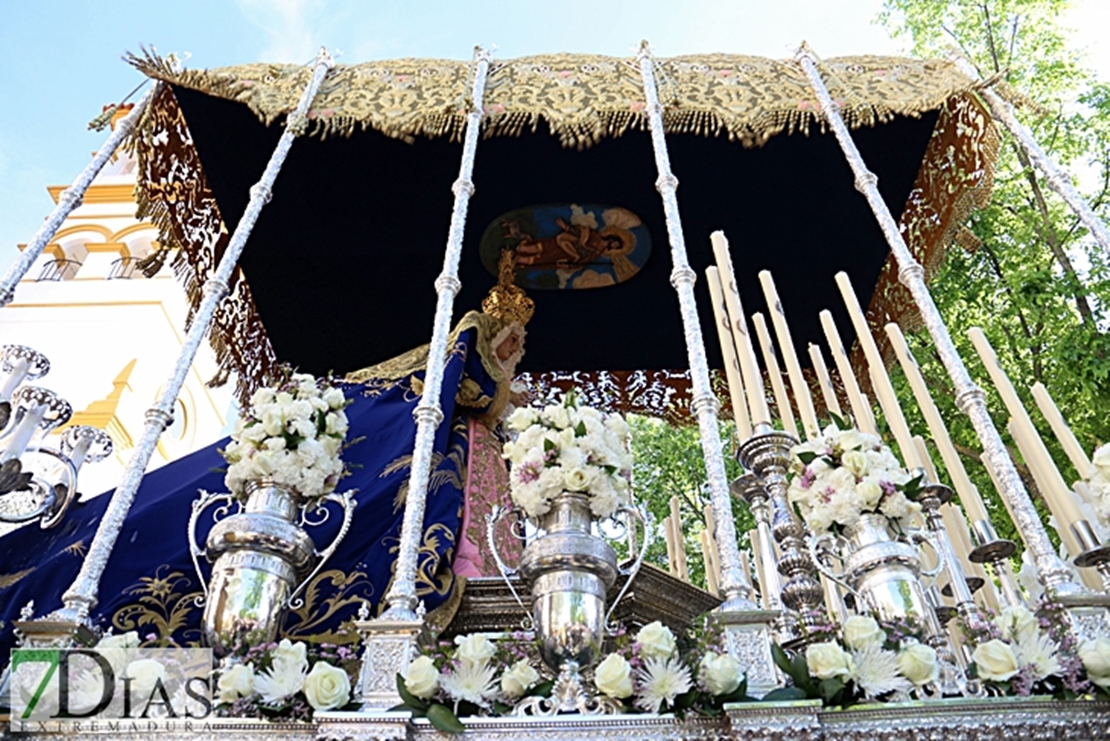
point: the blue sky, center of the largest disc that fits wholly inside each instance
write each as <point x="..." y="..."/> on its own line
<point x="60" y="61"/>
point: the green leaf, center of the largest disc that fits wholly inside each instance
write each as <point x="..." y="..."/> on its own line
<point x="398" y="708"/>
<point x="785" y="694"/>
<point x="782" y="661"/>
<point x="806" y="457"/>
<point x="442" y="718"/>
<point x="829" y="688"/>
<point x="800" y="675"/>
<point x="842" y="423"/>
<point x="409" y="699"/>
<point x="543" y="689"/>
<point x="580" y="429"/>
<point x="548" y="445"/>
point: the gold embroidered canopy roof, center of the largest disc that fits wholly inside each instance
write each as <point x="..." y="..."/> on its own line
<point x="581" y="100"/>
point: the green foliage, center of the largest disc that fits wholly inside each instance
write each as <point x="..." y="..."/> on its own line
<point x="1038" y="284"/>
<point x="669" y="462"/>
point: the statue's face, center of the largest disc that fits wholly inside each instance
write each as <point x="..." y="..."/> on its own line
<point x="509" y="345"/>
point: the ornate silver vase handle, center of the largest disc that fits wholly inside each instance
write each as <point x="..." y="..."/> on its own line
<point x="195" y="551"/>
<point x="918" y="537"/>
<point x="492" y="519"/>
<point x="648" y="524"/>
<point x="348" y="504"/>
<point x="815" y="551"/>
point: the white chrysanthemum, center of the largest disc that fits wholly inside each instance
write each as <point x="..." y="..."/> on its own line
<point x="876" y="672"/>
<point x="661" y="681"/>
<point x="283" y="679"/>
<point x="1039" y="652"/>
<point x="470" y="682"/>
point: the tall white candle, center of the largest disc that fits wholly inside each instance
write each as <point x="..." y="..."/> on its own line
<point x="1060" y="428"/>
<point x="828" y="393"/>
<point x="968" y="494"/>
<point x="23" y="433"/>
<point x="679" y="540"/>
<point x="1056" y="493"/>
<point x="778" y="388"/>
<point x="19" y="372"/>
<point x="861" y="410"/>
<point x="672" y="552"/>
<point x="728" y="354"/>
<point x="786" y="346"/>
<point x="879" y="379"/>
<point x="710" y="563"/>
<point x="1046" y="483"/>
<point x="758" y="411"/>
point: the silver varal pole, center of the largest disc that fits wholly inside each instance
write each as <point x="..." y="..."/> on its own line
<point x="1056" y="178"/>
<point x="71" y="198"/>
<point x="401" y="598"/>
<point x="734" y="583"/>
<point x="81" y="597"/>
<point x="970" y="398"/>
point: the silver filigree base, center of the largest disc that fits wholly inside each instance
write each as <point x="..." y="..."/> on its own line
<point x="569" y="695"/>
<point x="388" y="647"/>
<point x="748" y="639"/>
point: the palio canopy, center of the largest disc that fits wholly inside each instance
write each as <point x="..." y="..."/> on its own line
<point x="340" y="265"/>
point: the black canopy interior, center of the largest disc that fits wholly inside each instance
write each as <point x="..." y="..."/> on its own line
<point x="342" y="261"/>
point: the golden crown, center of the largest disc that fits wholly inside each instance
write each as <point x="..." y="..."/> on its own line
<point x="507" y="301"/>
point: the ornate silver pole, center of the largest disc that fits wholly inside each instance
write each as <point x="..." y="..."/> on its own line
<point x="1056" y="178"/>
<point x="734" y="583"/>
<point x="401" y="598"/>
<point x="746" y="627"/>
<point x="71" y="198"/>
<point x="81" y="597"/>
<point x="969" y="397"/>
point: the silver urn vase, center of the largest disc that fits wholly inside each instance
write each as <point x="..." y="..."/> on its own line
<point x="261" y="558"/>
<point x="882" y="570"/>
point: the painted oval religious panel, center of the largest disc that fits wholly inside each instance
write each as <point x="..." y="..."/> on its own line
<point x="567" y="246"/>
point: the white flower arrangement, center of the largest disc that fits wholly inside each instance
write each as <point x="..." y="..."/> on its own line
<point x="1098" y="480"/>
<point x="293" y="435"/>
<point x="567" y="447"/>
<point x="649" y="672"/>
<point x="274" y="681"/>
<point x="846" y="473"/>
<point x="869" y="662"/>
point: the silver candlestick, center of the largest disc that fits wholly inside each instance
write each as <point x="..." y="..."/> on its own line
<point x="767" y="454"/>
<point x="993" y="551"/>
<point x="1094" y="552"/>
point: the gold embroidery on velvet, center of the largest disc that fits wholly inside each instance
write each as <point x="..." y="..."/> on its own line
<point x="161" y="601"/>
<point x="347" y="589"/>
<point x="470" y="395"/>
<point x="454" y="474"/>
<point x="7" y="580"/>
<point x="77" y="548"/>
<point x="433" y="574"/>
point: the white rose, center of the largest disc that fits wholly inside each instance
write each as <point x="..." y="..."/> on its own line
<point x="556" y="414"/>
<point x="145" y="673"/>
<point x="1101" y="459"/>
<point x="272" y="423"/>
<point x="861" y="631"/>
<point x="521" y="419"/>
<point x="336" y="423"/>
<point x="850" y="440"/>
<point x="828" y="660"/>
<point x="869" y="493"/>
<point x="263" y="462"/>
<point x="614" y="677"/>
<point x="421" y="677"/>
<point x="995" y="660"/>
<point x="576" y="479"/>
<point x="918" y="663"/>
<point x="295" y="654"/>
<point x="722" y="673"/>
<point x="1095" y="656"/>
<point x="262" y="397"/>
<point x="327" y="687"/>
<point x="1016" y="622"/>
<point x="334" y="398"/>
<point x="856" y="462"/>
<point x="518" y="678"/>
<point x="236" y="682"/>
<point x="656" y="641"/>
<point x="474" y="648"/>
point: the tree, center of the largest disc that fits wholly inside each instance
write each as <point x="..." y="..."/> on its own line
<point x="1038" y="284"/>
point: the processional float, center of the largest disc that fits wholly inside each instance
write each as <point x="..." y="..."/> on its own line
<point x="200" y="135"/>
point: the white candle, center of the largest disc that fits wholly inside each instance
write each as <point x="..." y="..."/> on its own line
<point x="778" y="388"/>
<point x="1060" y="428"/>
<point x="789" y="356"/>
<point x="1046" y="482"/>
<point x="926" y="459"/>
<point x="861" y="410"/>
<point x="728" y="354"/>
<point x="672" y="557"/>
<point x="679" y="540"/>
<point x="828" y="393"/>
<point x="758" y="411"/>
<point x="879" y="379"/>
<point x="956" y="526"/>
<point x="1056" y="493"/>
<point x="710" y="563"/>
<point x="968" y="494"/>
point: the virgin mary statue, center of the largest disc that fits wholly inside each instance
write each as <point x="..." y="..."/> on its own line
<point x="150" y="585"/>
